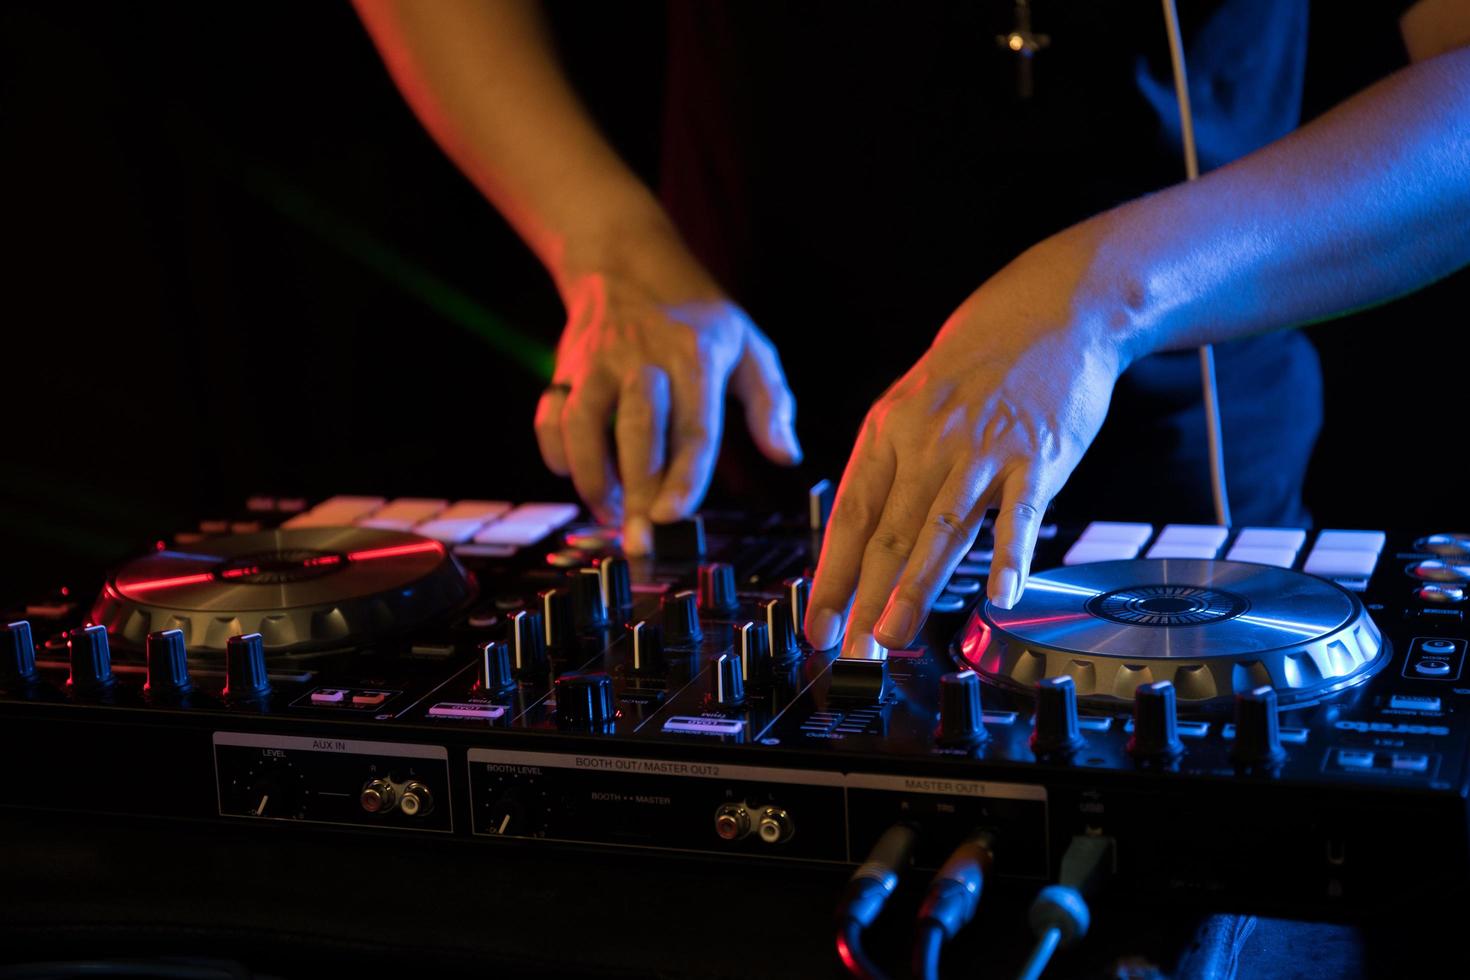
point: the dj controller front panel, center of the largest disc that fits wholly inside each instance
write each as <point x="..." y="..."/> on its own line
<point x="512" y="704"/>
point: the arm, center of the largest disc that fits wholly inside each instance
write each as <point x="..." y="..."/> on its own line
<point x="1368" y="202"/>
<point x="650" y="337"/>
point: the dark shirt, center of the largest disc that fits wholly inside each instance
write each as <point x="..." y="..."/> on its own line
<point x="851" y="171"/>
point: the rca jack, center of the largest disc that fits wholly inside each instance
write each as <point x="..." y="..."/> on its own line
<point x="378" y="796"/>
<point x="771" y="824"/>
<point x="417" y="801"/>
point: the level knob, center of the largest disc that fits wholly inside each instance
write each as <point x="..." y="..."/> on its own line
<point x="245" y="675"/>
<point x="526" y="638"/>
<point x="497" y="676"/>
<point x="590" y="610"/>
<point x="1056" y="731"/>
<point x="17" y="654"/>
<point x="729" y="681"/>
<point x="680" y="539"/>
<point x="782" y="631"/>
<point x="1155" y="725"/>
<point x="753" y="643"/>
<point x="681" y="619"/>
<point x="1257" y="730"/>
<point x="798" y="594"/>
<point x="717" y="587"/>
<point x="585" y="700"/>
<point x="617" y="584"/>
<point x="648" y="648"/>
<point x="557" y="619"/>
<point x="961" y="718"/>
<point x="168" y="664"/>
<point x="91" y="659"/>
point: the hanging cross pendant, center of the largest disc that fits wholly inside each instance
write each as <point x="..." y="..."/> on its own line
<point x="1025" y="44"/>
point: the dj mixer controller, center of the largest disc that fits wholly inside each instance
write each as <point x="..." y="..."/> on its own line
<point x="1259" y="719"/>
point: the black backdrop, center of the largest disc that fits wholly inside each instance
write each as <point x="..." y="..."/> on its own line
<point x="236" y="264"/>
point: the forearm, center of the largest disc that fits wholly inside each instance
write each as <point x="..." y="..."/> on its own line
<point x="1366" y="203"/>
<point x="482" y="77"/>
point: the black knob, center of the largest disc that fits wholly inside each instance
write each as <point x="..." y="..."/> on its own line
<point x="526" y="638"/>
<point x="681" y="539"/>
<point x="1257" y="730"/>
<point x="17" y="653"/>
<point x="961" y="719"/>
<point x="1056" y="731"/>
<point x="585" y="700"/>
<point x="558" y="619"/>
<point x="729" y="681"/>
<point x="648" y="648"/>
<point x="617" y="584"/>
<point x="91" y="659"/>
<point x="496" y="673"/>
<point x="1155" y="726"/>
<point x="590" y="610"/>
<point x="753" y="643"/>
<point x="245" y="675"/>
<point x="717" y="587"/>
<point x="782" y="630"/>
<point x="681" y="619"/>
<point x="168" y="664"/>
<point x="798" y="593"/>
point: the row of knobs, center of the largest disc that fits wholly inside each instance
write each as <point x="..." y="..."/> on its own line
<point x="168" y="662"/>
<point x="1058" y="734"/>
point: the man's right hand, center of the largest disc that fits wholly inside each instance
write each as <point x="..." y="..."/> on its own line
<point x="649" y="347"/>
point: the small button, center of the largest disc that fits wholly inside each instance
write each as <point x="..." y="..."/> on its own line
<point x="963" y="586"/>
<point x="369" y="699"/>
<point x="328" y="695"/>
<point x="1437" y="647"/>
<point x="1438" y="593"/>
<point x="1090" y="723"/>
<point x="1432" y="668"/>
<point x="1414" y="702"/>
<point x="1434" y="570"/>
<point x="999" y="717"/>
<point x="1410" y="762"/>
<point x="948" y="603"/>
<point x="466" y="709"/>
<point x="1448" y="545"/>
<point x="1350" y="541"/>
<point x="1290" y="538"/>
<point x="565" y="558"/>
<point x="1330" y="563"/>
<point x="1355" y="758"/>
<point x="1193" y="729"/>
<point x="1293" y="736"/>
<point x="972" y="569"/>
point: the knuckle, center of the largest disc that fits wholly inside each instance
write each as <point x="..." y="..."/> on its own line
<point x="950" y="524"/>
<point x="890" y="542"/>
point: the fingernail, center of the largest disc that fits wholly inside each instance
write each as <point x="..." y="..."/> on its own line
<point x="826" y="629"/>
<point x="791" y="445"/>
<point x="637" y="536"/>
<point x="1004" y="591"/>
<point x="863" y="646"/>
<point x="897" y="622"/>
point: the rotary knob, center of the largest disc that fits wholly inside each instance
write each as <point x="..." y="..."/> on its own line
<point x="91" y="660"/>
<point x="961" y="718"/>
<point x="729" y="681"/>
<point x="168" y="664"/>
<point x="648" y="648"/>
<point x="717" y="587"/>
<point x="681" y="619"/>
<point x="1056" y="732"/>
<point x="585" y="700"/>
<point x="1257" y="729"/>
<point x="1155" y="722"/>
<point x="680" y="539"/>
<point x="782" y="632"/>
<point x="526" y="638"/>
<point x="617" y="584"/>
<point x="589" y="609"/>
<point x="753" y="643"/>
<point x="496" y="673"/>
<point x="245" y="674"/>
<point x="798" y="594"/>
<point x="557" y="619"/>
<point x="17" y="654"/>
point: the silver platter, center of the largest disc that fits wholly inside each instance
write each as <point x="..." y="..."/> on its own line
<point x="1213" y="628"/>
<point x="307" y="588"/>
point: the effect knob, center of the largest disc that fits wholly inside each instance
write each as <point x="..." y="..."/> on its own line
<point x="961" y="718"/>
<point x="1155" y="722"/>
<point x="717" y="587"/>
<point x="1257" y="730"/>
<point x="585" y="700"/>
<point x="557" y="619"/>
<point x="680" y="539"/>
<point x="729" y="681"/>
<point x="798" y="595"/>
<point x="526" y="638"/>
<point x="782" y="631"/>
<point x="617" y="584"/>
<point x="1056" y="730"/>
<point x="245" y="675"/>
<point x="753" y="643"/>
<point x="17" y="654"/>
<point x="648" y="648"/>
<point x="91" y="660"/>
<point x="496" y="674"/>
<point x="681" y="619"/>
<point x="168" y="664"/>
<point x="590" y="610"/>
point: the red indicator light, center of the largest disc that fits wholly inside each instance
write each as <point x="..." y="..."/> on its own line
<point x="240" y="572"/>
<point x="395" y="551"/>
<point x="169" y="583"/>
<point x="320" y="560"/>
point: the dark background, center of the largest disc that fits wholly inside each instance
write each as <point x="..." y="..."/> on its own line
<point x="238" y="265"/>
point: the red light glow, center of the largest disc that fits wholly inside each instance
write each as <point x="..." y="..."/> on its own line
<point x="170" y="583"/>
<point x="395" y="551"/>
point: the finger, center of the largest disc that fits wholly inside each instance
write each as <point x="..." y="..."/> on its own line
<point x="643" y="414"/>
<point x="698" y="402"/>
<point x="948" y="531"/>
<point x="855" y="513"/>
<point x="1017" y="523"/>
<point x="548" y="430"/>
<point x="584" y="426"/>
<point x="770" y="407"/>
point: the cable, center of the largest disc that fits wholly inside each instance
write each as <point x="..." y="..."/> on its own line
<point x="1059" y="915"/>
<point x="1213" y="435"/>
<point x="951" y="901"/>
<point x="1041" y="954"/>
<point x="867" y="892"/>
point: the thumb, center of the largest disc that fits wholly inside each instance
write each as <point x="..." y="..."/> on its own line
<point x="770" y="408"/>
